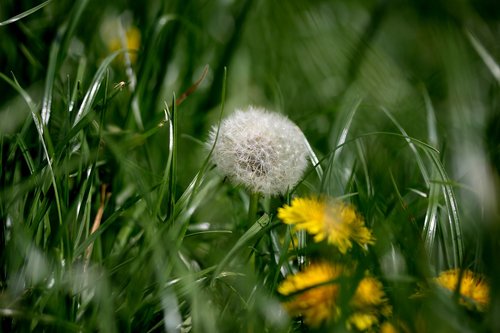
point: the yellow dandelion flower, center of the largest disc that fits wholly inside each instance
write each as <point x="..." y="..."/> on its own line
<point x="369" y="304"/>
<point x="369" y="293"/>
<point x="335" y="221"/>
<point x="474" y="291"/>
<point x="312" y="296"/>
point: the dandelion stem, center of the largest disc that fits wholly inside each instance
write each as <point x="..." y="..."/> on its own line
<point x="252" y="207"/>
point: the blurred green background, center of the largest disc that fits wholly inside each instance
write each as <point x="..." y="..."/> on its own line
<point x="376" y="71"/>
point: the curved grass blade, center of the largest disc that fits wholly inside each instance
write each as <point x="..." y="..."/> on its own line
<point x="452" y="231"/>
<point x="452" y="238"/>
<point x="431" y="215"/>
<point x="93" y="89"/>
<point x="407" y="138"/>
<point x="420" y="162"/>
<point x="25" y="13"/>
<point x="340" y="140"/>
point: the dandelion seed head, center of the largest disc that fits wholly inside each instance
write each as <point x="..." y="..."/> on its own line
<point x="262" y="150"/>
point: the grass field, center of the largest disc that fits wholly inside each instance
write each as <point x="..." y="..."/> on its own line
<point x="135" y="198"/>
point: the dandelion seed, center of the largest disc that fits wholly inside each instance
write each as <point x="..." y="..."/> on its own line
<point x="474" y="291"/>
<point x="261" y="150"/>
<point x="332" y="220"/>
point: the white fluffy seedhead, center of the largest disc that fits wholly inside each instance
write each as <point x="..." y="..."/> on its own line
<point x="261" y="150"/>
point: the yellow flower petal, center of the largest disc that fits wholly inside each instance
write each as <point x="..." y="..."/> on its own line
<point x="315" y="299"/>
<point x="474" y="290"/>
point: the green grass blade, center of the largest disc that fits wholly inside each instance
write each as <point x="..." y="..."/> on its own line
<point x="431" y="220"/>
<point x="93" y="89"/>
<point x="25" y="13"/>
<point x="242" y="242"/>
<point x="39" y="127"/>
<point x="314" y="159"/>
<point x="25" y="153"/>
<point x="346" y="118"/>
<point x="166" y="173"/>
<point x="364" y="166"/>
<point x="173" y="159"/>
<point x="418" y="158"/>
<point x="49" y="320"/>
<point x="344" y="129"/>
<point x="431" y="119"/>
<point x="452" y="230"/>
<point x="49" y="81"/>
<point x="80" y="248"/>
<point x="452" y="227"/>
<point x="206" y="162"/>
<point x="78" y="80"/>
<point x="487" y="58"/>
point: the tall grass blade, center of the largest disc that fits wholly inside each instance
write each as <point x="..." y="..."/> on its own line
<point x="341" y="133"/>
<point x="25" y="13"/>
<point x="93" y="89"/>
<point x="172" y="178"/>
<point x="49" y="80"/>
<point x="242" y="242"/>
<point x="418" y="158"/>
<point x="39" y="128"/>
<point x="488" y="60"/>
<point x="453" y="229"/>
